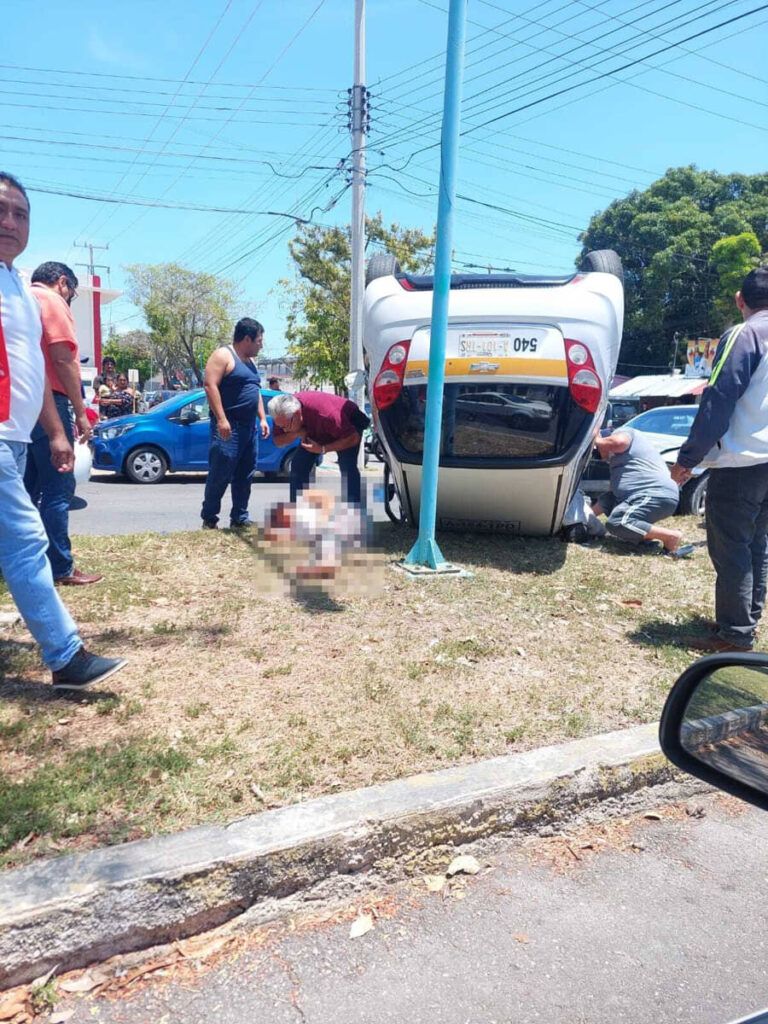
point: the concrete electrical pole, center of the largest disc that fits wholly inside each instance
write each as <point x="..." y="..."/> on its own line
<point x="359" y="128"/>
<point x="90" y="247"/>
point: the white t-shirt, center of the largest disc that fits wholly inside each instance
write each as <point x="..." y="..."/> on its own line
<point x="22" y="330"/>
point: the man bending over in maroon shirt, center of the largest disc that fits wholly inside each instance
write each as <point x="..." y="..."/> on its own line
<point x="325" y="423"/>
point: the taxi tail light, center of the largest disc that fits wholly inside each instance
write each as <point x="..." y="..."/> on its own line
<point x="389" y="379"/>
<point x="583" y="381"/>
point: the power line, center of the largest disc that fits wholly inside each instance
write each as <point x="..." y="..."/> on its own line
<point x="623" y="67"/>
<point x="248" y="161"/>
<point x="730" y="68"/>
<point x="250" y="252"/>
<point x="101" y="89"/>
<point x="159" y="119"/>
<point x="529" y="87"/>
<point x="172" y="81"/>
<point x="568" y="89"/>
<point x="167" y="117"/>
<point x="158" y="204"/>
<point x="219" y="108"/>
<point x="538" y="26"/>
<point x="307" y="21"/>
<point x="127" y="138"/>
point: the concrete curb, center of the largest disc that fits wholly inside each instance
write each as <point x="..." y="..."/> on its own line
<point x="76" y="909"/>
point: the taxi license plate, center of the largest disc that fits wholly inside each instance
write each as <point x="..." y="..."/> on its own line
<point x="498" y="343"/>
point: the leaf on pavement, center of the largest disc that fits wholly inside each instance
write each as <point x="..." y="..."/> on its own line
<point x="85" y="982"/>
<point x="463" y="865"/>
<point x="44" y="978"/>
<point x="202" y="946"/>
<point x="521" y="937"/>
<point x="434" y="883"/>
<point x="361" y="926"/>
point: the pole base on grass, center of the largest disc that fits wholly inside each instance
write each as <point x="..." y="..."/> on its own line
<point x="444" y="569"/>
<point x="426" y="559"/>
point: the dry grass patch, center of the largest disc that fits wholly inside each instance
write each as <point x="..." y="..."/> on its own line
<point x="241" y="694"/>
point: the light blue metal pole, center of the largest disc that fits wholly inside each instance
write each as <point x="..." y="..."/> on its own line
<point x="425" y="551"/>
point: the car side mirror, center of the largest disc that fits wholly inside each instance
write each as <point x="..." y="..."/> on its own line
<point x="715" y="724"/>
<point x="189" y="416"/>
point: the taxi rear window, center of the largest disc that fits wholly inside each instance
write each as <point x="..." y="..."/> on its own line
<point x="487" y="422"/>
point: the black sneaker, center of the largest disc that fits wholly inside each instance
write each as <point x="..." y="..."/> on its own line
<point x="85" y="668"/>
<point x="210" y="524"/>
<point x="245" y="525"/>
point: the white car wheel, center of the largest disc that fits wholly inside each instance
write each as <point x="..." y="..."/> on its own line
<point x="146" y="466"/>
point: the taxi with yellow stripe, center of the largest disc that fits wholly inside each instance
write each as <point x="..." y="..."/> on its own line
<point x="528" y="366"/>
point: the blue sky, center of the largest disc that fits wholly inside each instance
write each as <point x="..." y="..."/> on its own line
<point x="239" y="104"/>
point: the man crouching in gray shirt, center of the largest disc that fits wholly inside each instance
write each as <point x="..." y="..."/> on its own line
<point x="642" y="491"/>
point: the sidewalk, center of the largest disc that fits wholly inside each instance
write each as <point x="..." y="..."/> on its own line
<point x="651" y="923"/>
<point x="71" y="911"/>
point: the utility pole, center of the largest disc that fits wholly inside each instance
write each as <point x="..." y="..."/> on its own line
<point x="90" y="247"/>
<point x="358" y="128"/>
<point x="425" y="556"/>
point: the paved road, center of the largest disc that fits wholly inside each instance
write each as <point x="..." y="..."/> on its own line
<point x="116" y="506"/>
<point x="673" y="929"/>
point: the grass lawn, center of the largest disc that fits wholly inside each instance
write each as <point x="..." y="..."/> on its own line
<point x="240" y="695"/>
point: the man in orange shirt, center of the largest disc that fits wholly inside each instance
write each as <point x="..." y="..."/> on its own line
<point x="54" y="286"/>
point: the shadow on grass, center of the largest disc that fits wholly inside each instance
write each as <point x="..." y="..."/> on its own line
<point x="647" y="549"/>
<point x="20" y="658"/>
<point x="206" y="635"/>
<point x="656" y="632"/>
<point x="540" y="555"/>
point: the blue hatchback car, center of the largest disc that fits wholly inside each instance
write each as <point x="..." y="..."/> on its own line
<point x="172" y="437"/>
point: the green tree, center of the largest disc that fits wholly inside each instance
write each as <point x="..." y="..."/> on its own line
<point x="665" y="236"/>
<point x="132" y="350"/>
<point x="732" y="259"/>
<point x="188" y="313"/>
<point x="318" y="317"/>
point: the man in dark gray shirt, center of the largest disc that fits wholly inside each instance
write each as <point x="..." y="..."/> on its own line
<point x="642" y="491"/>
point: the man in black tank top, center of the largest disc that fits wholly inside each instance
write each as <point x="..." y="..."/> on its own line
<point x="233" y="387"/>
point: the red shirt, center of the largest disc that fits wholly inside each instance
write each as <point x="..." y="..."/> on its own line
<point x="58" y="326"/>
<point x="326" y="417"/>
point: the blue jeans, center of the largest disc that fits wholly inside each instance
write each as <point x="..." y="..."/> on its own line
<point x="25" y="567"/>
<point x="303" y="466"/>
<point x="52" y="491"/>
<point x="230" y="463"/>
<point x="737" y="537"/>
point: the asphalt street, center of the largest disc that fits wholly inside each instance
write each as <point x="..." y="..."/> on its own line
<point x="653" y="919"/>
<point x="114" y="505"/>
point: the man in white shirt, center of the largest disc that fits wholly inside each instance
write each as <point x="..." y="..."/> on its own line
<point x="25" y="397"/>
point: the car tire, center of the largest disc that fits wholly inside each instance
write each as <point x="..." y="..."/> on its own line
<point x="383" y="264"/>
<point x="603" y="261"/>
<point x="146" y="465"/>
<point x="392" y="504"/>
<point x="693" y="496"/>
<point x="285" y="465"/>
<point x="576" y="533"/>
